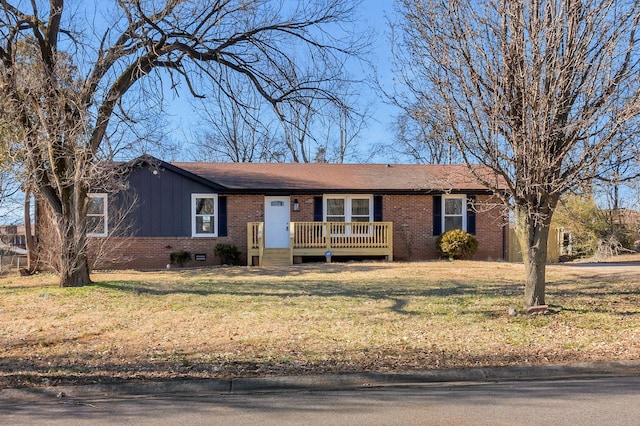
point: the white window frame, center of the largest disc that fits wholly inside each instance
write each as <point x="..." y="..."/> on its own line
<point x="347" y="210"/>
<point x="195" y="234"/>
<point x="104" y="215"/>
<point x="347" y="204"/>
<point x="462" y="197"/>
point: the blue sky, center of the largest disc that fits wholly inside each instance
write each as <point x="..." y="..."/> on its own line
<point x="376" y="18"/>
<point x="372" y="17"/>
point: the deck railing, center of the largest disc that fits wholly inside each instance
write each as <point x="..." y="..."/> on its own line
<point x="317" y="238"/>
<point x="255" y="240"/>
<point x="356" y="235"/>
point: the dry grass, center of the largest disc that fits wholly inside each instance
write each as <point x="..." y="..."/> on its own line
<point x="231" y="322"/>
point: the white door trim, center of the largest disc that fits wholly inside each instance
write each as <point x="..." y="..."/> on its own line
<point x="277" y="216"/>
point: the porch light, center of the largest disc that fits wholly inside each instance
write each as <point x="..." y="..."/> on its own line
<point x="296" y="205"/>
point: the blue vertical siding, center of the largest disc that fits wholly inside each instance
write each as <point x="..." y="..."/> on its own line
<point x="163" y="203"/>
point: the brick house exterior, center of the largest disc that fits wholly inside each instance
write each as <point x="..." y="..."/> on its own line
<point x="163" y="218"/>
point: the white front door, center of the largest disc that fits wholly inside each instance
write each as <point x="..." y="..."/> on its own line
<point x="276" y="222"/>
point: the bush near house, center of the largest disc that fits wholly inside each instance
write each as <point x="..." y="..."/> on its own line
<point x="180" y="258"/>
<point x="457" y="244"/>
<point x="228" y="253"/>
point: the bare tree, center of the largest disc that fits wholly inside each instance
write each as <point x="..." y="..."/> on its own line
<point x="341" y="126"/>
<point x="325" y="121"/>
<point x="425" y="140"/>
<point x="420" y="134"/>
<point x="537" y="90"/>
<point x="10" y="194"/>
<point x="65" y="92"/>
<point x="318" y="129"/>
<point x="296" y="122"/>
<point x="238" y="128"/>
<point x="137" y="128"/>
<point x="617" y="171"/>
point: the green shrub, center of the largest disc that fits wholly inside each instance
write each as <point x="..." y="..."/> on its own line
<point x="594" y="231"/>
<point x="457" y="244"/>
<point x="180" y="258"/>
<point x="228" y="253"/>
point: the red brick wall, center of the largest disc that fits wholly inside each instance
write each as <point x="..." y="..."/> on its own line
<point x="492" y="229"/>
<point x="306" y="208"/>
<point x="413" y="239"/>
<point x="154" y="252"/>
<point x="412" y="217"/>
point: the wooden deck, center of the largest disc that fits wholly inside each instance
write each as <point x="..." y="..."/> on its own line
<point x="320" y="238"/>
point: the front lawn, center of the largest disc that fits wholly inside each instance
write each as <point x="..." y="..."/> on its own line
<point x="310" y="319"/>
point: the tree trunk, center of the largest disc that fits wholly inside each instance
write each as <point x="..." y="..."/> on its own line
<point x="76" y="275"/>
<point x="533" y="234"/>
<point x="74" y="265"/>
<point x="28" y="236"/>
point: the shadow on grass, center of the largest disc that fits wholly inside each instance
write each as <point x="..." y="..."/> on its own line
<point x="289" y="271"/>
<point x="592" y="310"/>
<point x="593" y="287"/>
<point x="398" y="296"/>
<point x="602" y="272"/>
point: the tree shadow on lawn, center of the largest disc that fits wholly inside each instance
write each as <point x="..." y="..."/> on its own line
<point x="597" y="288"/>
<point x="399" y="297"/>
<point x="318" y="288"/>
<point x="593" y="310"/>
<point x="280" y="271"/>
<point x="599" y="295"/>
<point x="627" y="271"/>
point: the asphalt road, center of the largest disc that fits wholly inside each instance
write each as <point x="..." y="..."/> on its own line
<point x="595" y="401"/>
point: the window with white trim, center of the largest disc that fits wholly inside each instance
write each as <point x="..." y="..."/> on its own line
<point x="204" y="208"/>
<point x="348" y="208"/>
<point x="335" y="211"/>
<point x="454" y="212"/>
<point x="97" y="218"/>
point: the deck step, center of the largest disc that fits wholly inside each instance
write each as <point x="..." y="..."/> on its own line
<point x="276" y="257"/>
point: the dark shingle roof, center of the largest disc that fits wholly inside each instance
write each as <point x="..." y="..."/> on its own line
<point x="339" y="177"/>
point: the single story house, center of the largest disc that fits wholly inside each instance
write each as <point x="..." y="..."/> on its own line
<point x="278" y="213"/>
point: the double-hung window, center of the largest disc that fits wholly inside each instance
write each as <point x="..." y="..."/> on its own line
<point x="348" y="208"/>
<point x="454" y="209"/>
<point x="335" y="210"/>
<point x="97" y="219"/>
<point x="204" y="209"/>
<point x="360" y="209"/>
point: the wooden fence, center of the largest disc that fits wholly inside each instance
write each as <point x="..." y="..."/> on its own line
<point x="554" y="246"/>
<point x="10" y="262"/>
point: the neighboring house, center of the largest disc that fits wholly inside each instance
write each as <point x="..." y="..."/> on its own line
<point x="12" y="235"/>
<point x="12" y="246"/>
<point x="288" y="213"/>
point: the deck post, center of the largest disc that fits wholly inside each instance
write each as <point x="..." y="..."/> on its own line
<point x="327" y="233"/>
<point x="389" y="229"/>
<point x="260" y="243"/>
<point x="292" y="240"/>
